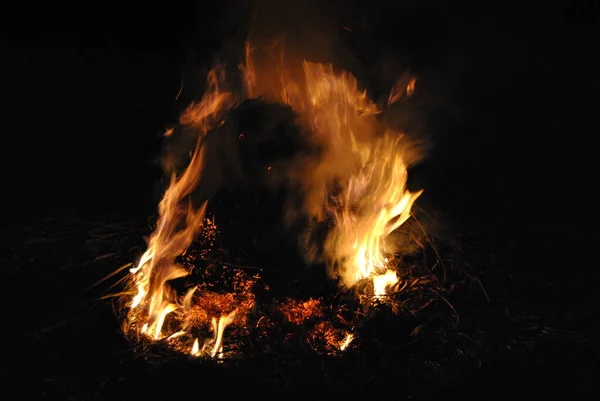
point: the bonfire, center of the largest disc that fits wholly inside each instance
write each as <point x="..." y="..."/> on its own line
<point x="307" y="141"/>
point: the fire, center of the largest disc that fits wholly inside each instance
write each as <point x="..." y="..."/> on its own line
<point x="346" y="342"/>
<point x="358" y="183"/>
<point x="195" y="347"/>
<point x="178" y="225"/>
<point x="298" y="312"/>
<point x="372" y="199"/>
<point x="218" y="328"/>
<point x="362" y="159"/>
<point x="374" y="203"/>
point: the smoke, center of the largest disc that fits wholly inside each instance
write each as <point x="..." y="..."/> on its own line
<point x="314" y="130"/>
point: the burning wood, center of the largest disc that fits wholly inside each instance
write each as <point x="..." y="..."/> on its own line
<point x="354" y="182"/>
<point x="297" y="312"/>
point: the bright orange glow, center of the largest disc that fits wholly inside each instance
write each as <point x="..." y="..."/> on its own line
<point x="346" y="342"/>
<point x="383" y="281"/>
<point x="195" y="347"/>
<point x="361" y="159"/>
<point x="218" y="328"/>
<point x="402" y="88"/>
<point x="366" y="160"/>
<point x="178" y="225"/>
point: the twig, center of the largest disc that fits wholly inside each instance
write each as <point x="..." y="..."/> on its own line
<point x="452" y="307"/>
<point x="116" y="294"/>
<point x="120" y="269"/>
<point x="434" y="249"/>
<point x="476" y="279"/>
<point x="116" y="227"/>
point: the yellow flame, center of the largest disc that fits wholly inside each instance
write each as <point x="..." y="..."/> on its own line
<point x="216" y="343"/>
<point x="366" y="161"/>
<point x="383" y="281"/>
<point x="404" y="86"/>
<point x="359" y="181"/>
<point x="157" y="326"/>
<point x="177" y="334"/>
<point x="195" y="347"/>
<point x="372" y="200"/>
<point x="346" y="342"/>
<point x="178" y="223"/>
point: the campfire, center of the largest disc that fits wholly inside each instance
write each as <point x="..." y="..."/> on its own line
<point x="338" y="174"/>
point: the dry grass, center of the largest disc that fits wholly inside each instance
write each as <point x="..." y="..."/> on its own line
<point x="458" y="327"/>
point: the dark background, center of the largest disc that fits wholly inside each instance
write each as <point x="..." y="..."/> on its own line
<point x="507" y="93"/>
<point x="89" y="89"/>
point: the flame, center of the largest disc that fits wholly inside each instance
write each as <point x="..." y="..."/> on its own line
<point x="404" y="86"/>
<point x="372" y="199"/>
<point x="362" y="159"/>
<point x="195" y="347"/>
<point x="383" y="281"/>
<point x="358" y="181"/>
<point x="346" y="341"/>
<point x="178" y="224"/>
<point x="374" y="203"/>
<point x="218" y="328"/>
<point x="410" y="88"/>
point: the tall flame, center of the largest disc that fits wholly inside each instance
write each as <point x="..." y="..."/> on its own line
<point x="372" y="199"/>
<point x="362" y="163"/>
<point x="373" y="203"/>
<point x="358" y="181"/>
<point x="178" y="224"/>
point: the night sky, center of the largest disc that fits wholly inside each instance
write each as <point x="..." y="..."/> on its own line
<point x="90" y="91"/>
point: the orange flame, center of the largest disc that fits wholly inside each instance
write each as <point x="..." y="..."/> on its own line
<point x="346" y="341"/>
<point x="155" y="299"/>
<point x="361" y="159"/>
<point x="401" y="88"/>
<point x="383" y="281"/>
<point x="366" y="161"/>
<point x="195" y="348"/>
<point x="218" y="328"/>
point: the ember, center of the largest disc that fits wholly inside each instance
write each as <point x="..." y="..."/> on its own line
<point x="297" y="312"/>
<point x="355" y="184"/>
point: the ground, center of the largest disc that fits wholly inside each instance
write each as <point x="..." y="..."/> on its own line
<point x="507" y="332"/>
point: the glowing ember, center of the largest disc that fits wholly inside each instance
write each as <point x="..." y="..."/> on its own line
<point x="344" y="344"/>
<point x="358" y="183"/>
<point x="297" y="312"/>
